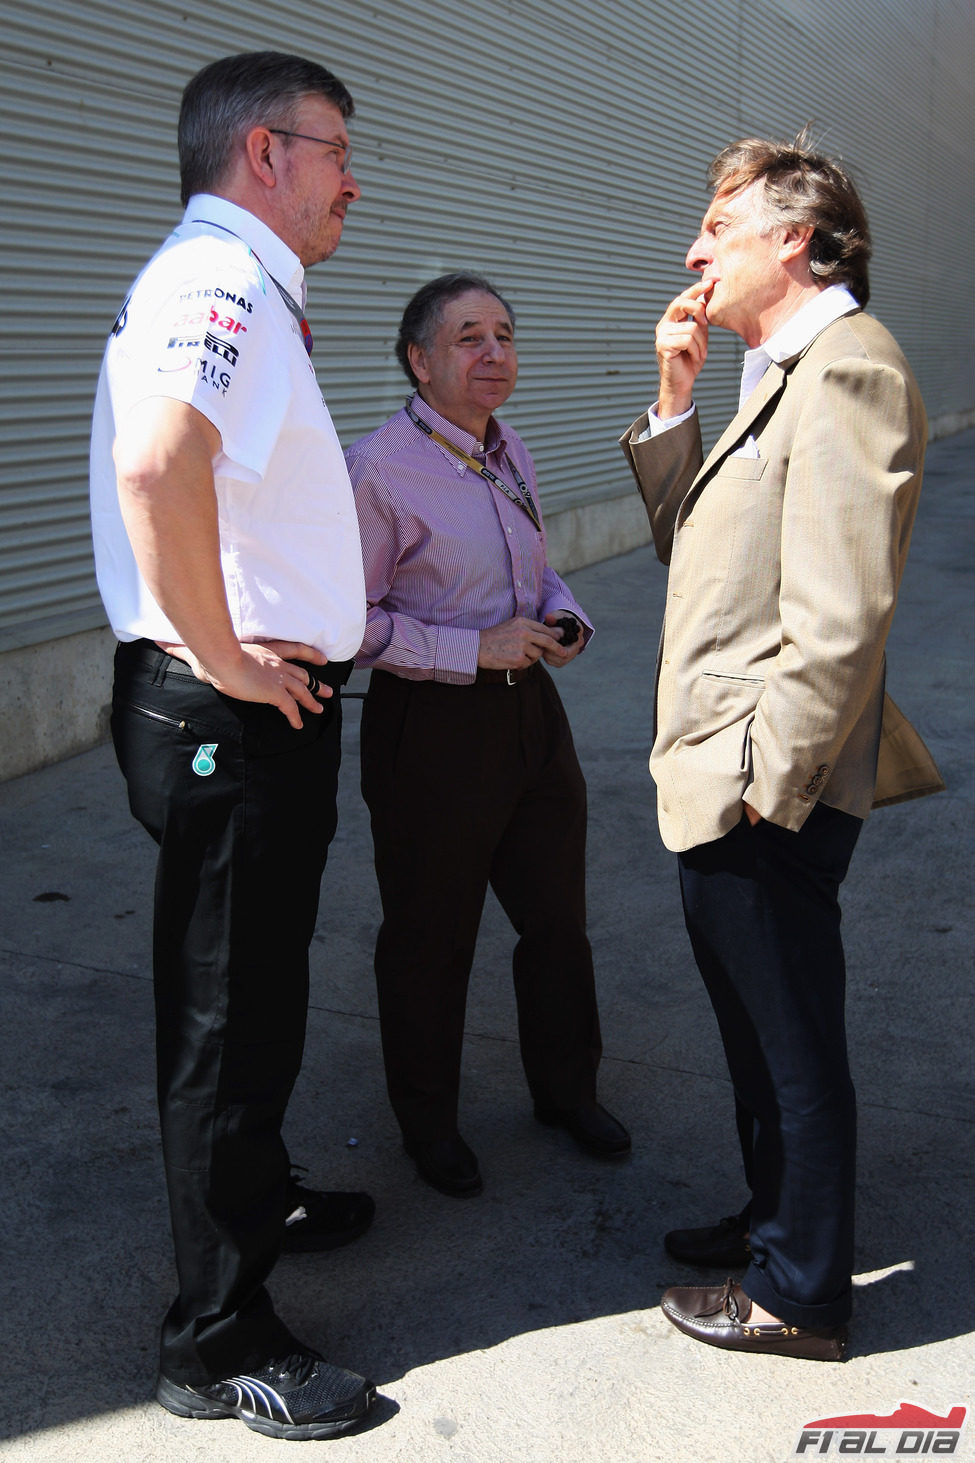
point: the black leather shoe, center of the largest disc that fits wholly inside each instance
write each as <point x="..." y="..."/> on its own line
<point x="724" y="1245"/>
<point x="592" y="1127"/>
<point x="718" y="1316"/>
<point x="323" y="1221"/>
<point x="447" y="1164"/>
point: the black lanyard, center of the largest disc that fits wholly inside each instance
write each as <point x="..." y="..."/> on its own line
<point x="526" y="502"/>
<point x="293" y="306"/>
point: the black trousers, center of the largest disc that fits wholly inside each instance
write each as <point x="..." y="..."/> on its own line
<point x="242" y="807"/>
<point x="762" y="910"/>
<point x="469" y="786"/>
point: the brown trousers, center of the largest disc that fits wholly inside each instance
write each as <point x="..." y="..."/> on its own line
<point x="469" y="786"/>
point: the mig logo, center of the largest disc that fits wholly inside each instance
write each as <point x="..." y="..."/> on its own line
<point x="908" y="1432"/>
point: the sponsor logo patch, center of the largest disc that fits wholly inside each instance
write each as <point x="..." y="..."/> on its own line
<point x="218" y="294"/>
<point x="205" y="762"/>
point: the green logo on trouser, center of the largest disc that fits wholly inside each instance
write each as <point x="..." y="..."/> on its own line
<point x="203" y="762"/>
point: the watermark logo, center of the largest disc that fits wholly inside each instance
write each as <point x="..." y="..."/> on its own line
<point x="908" y="1432"/>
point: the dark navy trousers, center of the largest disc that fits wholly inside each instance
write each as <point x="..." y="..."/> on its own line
<point x="242" y="807"/>
<point x="762" y="910"/>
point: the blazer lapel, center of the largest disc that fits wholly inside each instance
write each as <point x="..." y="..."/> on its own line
<point x="770" y="385"/>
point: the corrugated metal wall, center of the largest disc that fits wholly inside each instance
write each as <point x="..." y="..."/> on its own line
<point x="559" y="149"/>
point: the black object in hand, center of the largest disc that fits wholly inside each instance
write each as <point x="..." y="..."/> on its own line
<point x="569" y="626"/>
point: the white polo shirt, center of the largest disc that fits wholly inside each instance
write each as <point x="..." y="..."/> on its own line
<point x="206" y="324"/>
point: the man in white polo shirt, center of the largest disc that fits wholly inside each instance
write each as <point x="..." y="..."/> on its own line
<point x="228" y="558"/>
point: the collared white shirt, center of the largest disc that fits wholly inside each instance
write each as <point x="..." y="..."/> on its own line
<point x="791" y="338"/>
<point x="206" y="324"/>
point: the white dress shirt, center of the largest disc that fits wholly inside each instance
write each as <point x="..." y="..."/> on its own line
<point x="791" y="338"/>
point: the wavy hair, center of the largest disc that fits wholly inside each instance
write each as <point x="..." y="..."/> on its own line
<point x="804" y="187"/>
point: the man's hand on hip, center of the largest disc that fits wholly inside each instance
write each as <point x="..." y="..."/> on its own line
<point x="264" y="673"/>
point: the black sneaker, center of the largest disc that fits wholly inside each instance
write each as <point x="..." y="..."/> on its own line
<point x="323" y="1221"/>
<point x="300" y="1398"/>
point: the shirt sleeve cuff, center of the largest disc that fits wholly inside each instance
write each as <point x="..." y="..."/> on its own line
<point x="457" y="650"/>
<point x="656" y="425"/>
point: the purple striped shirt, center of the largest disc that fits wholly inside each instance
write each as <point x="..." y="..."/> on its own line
<point x="446" y="553"/>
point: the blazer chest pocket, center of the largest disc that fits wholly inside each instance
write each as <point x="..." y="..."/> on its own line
<point x="747" y="469"/>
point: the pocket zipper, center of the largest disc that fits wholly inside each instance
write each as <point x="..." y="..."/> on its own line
<point x="158" y="716"/>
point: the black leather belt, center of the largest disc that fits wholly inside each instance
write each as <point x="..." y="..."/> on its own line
<point x="504" y="678"/>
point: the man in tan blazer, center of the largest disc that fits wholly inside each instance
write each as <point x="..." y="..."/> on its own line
<point x="786" y="546"/>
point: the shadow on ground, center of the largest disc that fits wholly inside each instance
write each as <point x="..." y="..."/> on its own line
<point x="557" y="1237"/>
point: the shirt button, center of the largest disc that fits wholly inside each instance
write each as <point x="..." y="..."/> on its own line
<point x="509" y="528"/>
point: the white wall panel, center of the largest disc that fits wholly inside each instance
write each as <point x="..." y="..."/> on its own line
<point x="558" y="148"/>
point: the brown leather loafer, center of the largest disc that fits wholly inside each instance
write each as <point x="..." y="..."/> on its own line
<point x="718" y="1316"/>
<point x="723" y="1245"/>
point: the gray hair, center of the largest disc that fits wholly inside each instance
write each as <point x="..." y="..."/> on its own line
<point x="226" y="99"/>
<point x="423" y="315"/>
<point x="805" y="188"/>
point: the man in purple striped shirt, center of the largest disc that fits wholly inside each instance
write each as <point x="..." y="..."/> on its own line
<point x="468" y="766"/>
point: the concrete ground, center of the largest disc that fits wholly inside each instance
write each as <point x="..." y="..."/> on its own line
<point x="522" y="1325"/>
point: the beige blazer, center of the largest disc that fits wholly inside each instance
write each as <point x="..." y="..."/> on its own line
<point x="784" y="571"/>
